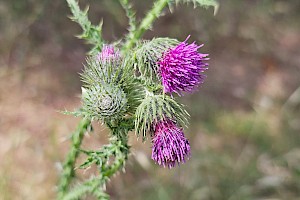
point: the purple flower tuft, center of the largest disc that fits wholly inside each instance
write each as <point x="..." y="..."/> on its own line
<point x="109" y="54"/>
<point x="169" y="144"/>
<point x="181" y="68"/>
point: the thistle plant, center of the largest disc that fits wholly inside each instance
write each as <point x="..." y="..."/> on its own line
<point x="129" y="86"/>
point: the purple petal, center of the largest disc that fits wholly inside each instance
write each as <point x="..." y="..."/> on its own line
<point x="169" y="144"/>
<point x="181" y="68"/>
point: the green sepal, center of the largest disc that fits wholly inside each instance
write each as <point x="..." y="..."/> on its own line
<point x="155" y="108"/>
<point x="147" y="54"/>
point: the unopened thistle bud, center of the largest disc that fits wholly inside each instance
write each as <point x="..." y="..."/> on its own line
<point x="104" y="102"/>
<point x="105" y="68"/>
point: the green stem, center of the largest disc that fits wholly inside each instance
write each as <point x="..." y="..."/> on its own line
<point x="152" y="15"/>
<point x="95" y="185"/>
<point x="120" y="140"/>
<point x="130" y="14"/>
<point x="91" y="33"/>
<point x="68" y="167"/>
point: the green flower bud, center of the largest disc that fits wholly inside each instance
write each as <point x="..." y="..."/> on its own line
<point x="104" y="102"/>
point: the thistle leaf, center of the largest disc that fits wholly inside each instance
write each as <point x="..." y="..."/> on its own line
<point x="90" y="186"/>
<point x="91" y="33"/>
<point x="130" y="13"/>
<point x="203" y="3"/>
<point x="146" y="23"/>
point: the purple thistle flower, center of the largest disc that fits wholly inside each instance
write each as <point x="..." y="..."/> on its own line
<point x="109" y="53"/>
<point x="181" y="68"/>
<point x="169" y="144"/>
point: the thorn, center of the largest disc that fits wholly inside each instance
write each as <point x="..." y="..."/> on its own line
<point x="216" y="9"/>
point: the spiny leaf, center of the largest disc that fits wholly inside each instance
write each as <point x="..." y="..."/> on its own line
<point x="90" y="186"/>
<point x="76" y="113"/>
<point x="130" y="13"/>
<point x="146" y="23"/>
<point x="203" y="3"/>
<point x="91" y="33"/>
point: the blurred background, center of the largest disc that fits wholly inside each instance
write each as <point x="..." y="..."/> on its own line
<point x="245" y="120"/>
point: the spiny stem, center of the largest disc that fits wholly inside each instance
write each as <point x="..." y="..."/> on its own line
<point x="131" y="17"/>
<point x="95" y="185"/>
<point x="152" y="15"/>
<point x="68" y="167"/>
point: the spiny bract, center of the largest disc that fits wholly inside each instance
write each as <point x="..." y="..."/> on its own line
<point x="104" y="101"/>
<point x="155" y="108"/>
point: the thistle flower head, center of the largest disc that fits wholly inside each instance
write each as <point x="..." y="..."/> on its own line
<point x="181" y="68"/>
<point x="109" y="53"/>
<point x="169" y="144"/>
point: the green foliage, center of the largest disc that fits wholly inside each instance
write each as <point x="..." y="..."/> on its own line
<point x="155" y="13"/>
<point x="101" y="157"/>
<point x="91" y="34"/>
<point x="118" y="150"/>
<point x="131" y="16"/>
<point x="134" y="93"/>
<point x="92" y="186"/>
<point x="68" y="166"/>
<point x="203" y="3"/>
<point x="155" y="108"/>
<point x="145" y="24"/>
